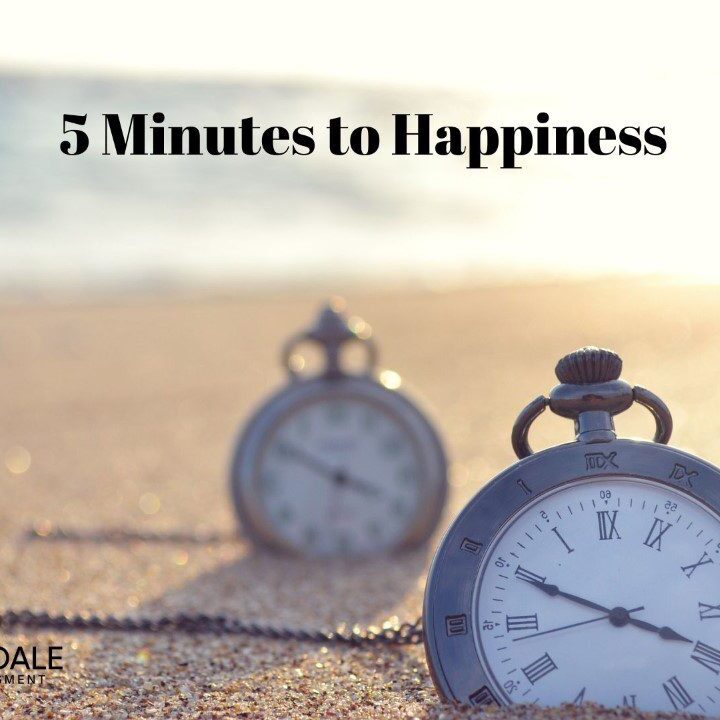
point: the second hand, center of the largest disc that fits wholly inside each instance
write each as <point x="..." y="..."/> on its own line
<point x="577" y="624"/>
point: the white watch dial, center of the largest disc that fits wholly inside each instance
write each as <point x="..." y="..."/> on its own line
<point x="340" y="475"/>
<point x="605" y="590"/>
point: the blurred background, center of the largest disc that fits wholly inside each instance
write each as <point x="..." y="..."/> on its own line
<point x="94" y="222"/>
<point x="144" y="300"/>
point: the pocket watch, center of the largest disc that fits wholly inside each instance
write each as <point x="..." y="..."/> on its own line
<point x="588" y="572"/>
<point x="340" y="463"/>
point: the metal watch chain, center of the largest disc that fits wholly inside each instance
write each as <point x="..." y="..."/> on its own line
<point x="331" y="331"/>
<point x="407" y="633"/>
<point x="404" y="634"/>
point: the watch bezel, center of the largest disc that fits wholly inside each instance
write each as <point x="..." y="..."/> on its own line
<point x="455" y="666"/>
<point x="249" y="449"/>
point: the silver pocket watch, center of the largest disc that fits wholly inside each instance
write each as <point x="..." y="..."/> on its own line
<point x="586" y="572"/>
<point x="339" y="463"/>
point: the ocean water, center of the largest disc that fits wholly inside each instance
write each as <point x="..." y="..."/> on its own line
<point x="102" y="219"/>
<point x="113" y="221"/>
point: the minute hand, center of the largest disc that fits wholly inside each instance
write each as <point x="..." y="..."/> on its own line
<point x="664" y="632"/>
<point x="554" y="590"/>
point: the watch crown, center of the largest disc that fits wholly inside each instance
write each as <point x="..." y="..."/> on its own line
<point x="589" y="365"/>
<point x="331" y="330"/>
<point x="331" y="325"/>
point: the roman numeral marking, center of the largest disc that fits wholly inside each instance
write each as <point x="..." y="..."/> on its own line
<point x="704" y="560"/>
<point x="562" y="540"/>
<point x="708" y="612"/>
<point x="524" y="487"/>
<point x="482" y="697"/>
<point x="522" y="574"/>
<point x="606" y="525"/>
<point x="521" y="622"/>
<point x="707" y="656"/>
<point x="471" y="546"/>
<point x="456" y="625"/>
<point x="678" y="695"/>
<point x="579" y="698"/>
<point x="654" y="538"/>
<point x="600" y="461"/>
<point x="629" y="701"/>
<point x="680" y="472"/>
<point x="537" y="670"/>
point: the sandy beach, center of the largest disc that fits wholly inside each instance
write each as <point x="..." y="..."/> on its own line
<point x="121" y="413"/>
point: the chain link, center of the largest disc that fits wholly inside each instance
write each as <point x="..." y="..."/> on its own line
<point x="123" y="535"/>
<point x="388" y="634"/>
<point x="408" y="633"/>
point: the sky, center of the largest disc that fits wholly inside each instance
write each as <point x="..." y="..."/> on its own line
<point x="616" y="63"/>
<point x="506" y="48"/>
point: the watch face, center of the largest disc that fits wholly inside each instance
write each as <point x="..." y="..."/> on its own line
<point x="556" y="586"/>
<point x="343" y="468"/>
<point x="582" y="587"/>
<point x="340" y="475"/>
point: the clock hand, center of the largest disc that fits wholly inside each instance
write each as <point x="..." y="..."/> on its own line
<point x="339" y="477"/>
<point x="577" y="624"/>
<point x="664" y="632"/>
<point x="554" y="590"/>
<point x="307" y="459"/>
<point x="345" y="480"/>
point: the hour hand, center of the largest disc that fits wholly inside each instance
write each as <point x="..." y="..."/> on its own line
<point x="664" y="632"/>
<point x="310" y="461"/>
<point x="362" y="486"/>
<point x="316" y="464"/>
<point x="554" y="591"/>
<point x="618" y="616"/>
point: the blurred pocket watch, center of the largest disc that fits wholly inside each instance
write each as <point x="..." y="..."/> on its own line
<point x="340" y="462"/>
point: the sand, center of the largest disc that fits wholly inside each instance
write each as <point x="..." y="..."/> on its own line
<point x="121" y="412"/>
